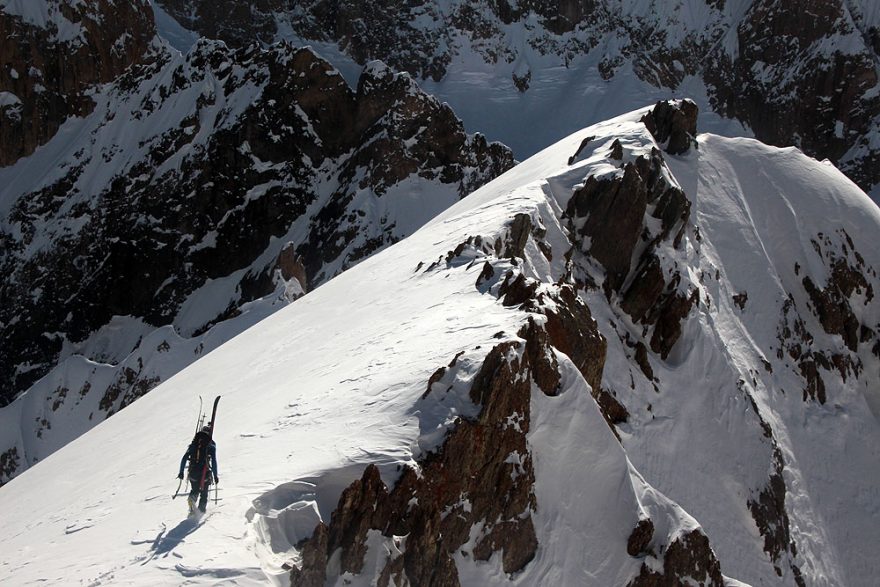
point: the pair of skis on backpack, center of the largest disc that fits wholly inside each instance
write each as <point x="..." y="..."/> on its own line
<point x="203" y="474"/>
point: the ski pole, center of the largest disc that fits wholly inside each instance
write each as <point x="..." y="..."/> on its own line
<point x="216" y="487"/>
<point x="178" y="489"/>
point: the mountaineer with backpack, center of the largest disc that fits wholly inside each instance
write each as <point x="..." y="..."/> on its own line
<point x="202" y="456"/>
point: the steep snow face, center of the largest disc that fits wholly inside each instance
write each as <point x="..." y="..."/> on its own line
<point x="793" y="74"/>
<point x="203" y="189"/>
<point x="706" y="384"/>
<point x="172" y="31"/>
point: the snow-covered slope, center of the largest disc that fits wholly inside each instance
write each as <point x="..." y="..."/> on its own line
<point x="546" y="405"/>
<point x="198" y="195"/>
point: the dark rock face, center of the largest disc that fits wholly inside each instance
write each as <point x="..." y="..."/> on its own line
<point x="545" y="368"/>
<point x="768" y="509"/>
<point x="314" y="560"/>
<point x="832" y="304"/>
<point x="238" y="23"/>
<point x="238" y="174"/>
<point x="803" y="94"/>
<point x="641" y="537"/>
<point x="673" y="124"/>
<point x="471" y="479"/>
<point x="607" y="222"/>
<point x="9" y="462"/>
<point x="612" y="410"/>
<point x="840" y="308"/>
<point x="572" y="329"/>
<point x="291" y="266"/>
<point x="689" y="560"/>
<point x="48" y="67"/>
<point x="520" y="229"/>
<point x="129" y="385"/>
<point x="403" y="132"/>
<point x="613" y="211"/>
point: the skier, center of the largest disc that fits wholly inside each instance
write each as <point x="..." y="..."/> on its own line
<point x="201" y="469"/>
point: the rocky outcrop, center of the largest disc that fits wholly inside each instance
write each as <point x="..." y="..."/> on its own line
<point x="608" y="221"/>
<point x="9" y="463"/>
<point x="673" y="124"/>
<point x="689" y="560"/>
<point x="399" y="132"/>
<point x="234" y="148"/>
<point x="638" y="542"/>
<point x="771" y="517"/>
<point x="833" y="304"/>
<point x="53" y="52"/>
<point x="568" y="322"/>
<point x="840" y="308"/>
<point x="290" y="264"/>
<point x="473" y="496"/>
<point x="570" y="327"/>
<point x="612" y="212"/>
<point x="480" y="480"/>
<point x="767" y="506"/>
<point x="129" y="385"/>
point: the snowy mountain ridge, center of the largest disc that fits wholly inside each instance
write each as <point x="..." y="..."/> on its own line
<point x="115" y="344"/>
<point x="539" y="406"/>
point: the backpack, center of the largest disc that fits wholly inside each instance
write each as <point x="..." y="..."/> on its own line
<point x="198" y="454"/>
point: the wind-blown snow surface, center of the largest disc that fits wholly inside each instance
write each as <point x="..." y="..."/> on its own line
<point x="334" y="381"/>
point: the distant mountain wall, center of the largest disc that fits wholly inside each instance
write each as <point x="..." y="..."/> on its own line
<point x="803" y="74"/>
<point x="53" y="53"/>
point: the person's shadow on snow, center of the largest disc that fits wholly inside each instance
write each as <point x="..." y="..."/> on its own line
<point x="165" y="542"/>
